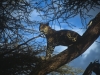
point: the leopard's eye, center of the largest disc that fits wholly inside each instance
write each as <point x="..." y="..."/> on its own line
<point x="41" y="30"/>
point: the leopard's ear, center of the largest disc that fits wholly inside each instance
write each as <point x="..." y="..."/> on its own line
<point x="47" y="23"/>
<point x="41" y="23"/>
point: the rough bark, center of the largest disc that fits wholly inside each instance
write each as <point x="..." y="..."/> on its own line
<point x="88" y="70"/>
<point x="93" y="67"/>
<point x="91" y="34"/>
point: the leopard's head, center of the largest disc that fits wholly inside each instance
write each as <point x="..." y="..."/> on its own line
<point x="44" y="28"/>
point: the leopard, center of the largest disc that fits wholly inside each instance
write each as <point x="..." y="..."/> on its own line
<point x="55" y="38"/>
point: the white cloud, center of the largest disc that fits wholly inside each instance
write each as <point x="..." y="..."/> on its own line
<point x="34" y="15"/>
<point x="79" y="31"/>
<point x="56" y="27"/>
<point x="59" y="49"/>
<point x="88" y="51"/>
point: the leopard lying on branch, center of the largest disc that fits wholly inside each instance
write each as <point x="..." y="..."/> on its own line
<point x="55" y="38"/>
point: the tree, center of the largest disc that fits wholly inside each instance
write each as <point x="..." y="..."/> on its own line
<point x="72" y="52"/>
<point x="17" y="55"/>
<point x="66" y="69"/>
<point x="63" y="10"/>
<point x="95" y="67"/>
<point x="20" y="54"/>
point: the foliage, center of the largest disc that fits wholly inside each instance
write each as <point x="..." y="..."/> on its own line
<point x="17" y="53"/>
<point x="67" y="70"/>
<point x="62" y="10"/>
<point x="19" y="49"/>
<point x="18" y="62"/>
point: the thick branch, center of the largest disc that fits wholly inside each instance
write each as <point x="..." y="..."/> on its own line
<point x="92" y="67"/>
<point x="89" y="69"/>
<point x="91" y="34"/>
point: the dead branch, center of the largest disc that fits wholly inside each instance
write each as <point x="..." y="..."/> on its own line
<point x="95" y="67"/>
<point x="10" y="50"/>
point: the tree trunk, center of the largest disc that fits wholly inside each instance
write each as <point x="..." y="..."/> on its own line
<point x="93" y="67"/>
<point x="91" y="34"/>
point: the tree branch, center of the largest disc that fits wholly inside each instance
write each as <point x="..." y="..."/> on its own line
<point x="89" y="69"/>
<point x="93" y="67"/>
<point x="91" y="34"/>
<point x="10" y="50"/>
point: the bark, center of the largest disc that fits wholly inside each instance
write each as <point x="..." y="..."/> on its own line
<point x="88" y="70"/>
<point x="93" y="67"/>
<point x="91" y="34"/>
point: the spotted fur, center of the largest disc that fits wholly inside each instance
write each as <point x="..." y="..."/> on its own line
<point x="55" y="38"/>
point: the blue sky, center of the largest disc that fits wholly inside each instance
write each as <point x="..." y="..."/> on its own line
<point x="93" y="52"/>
